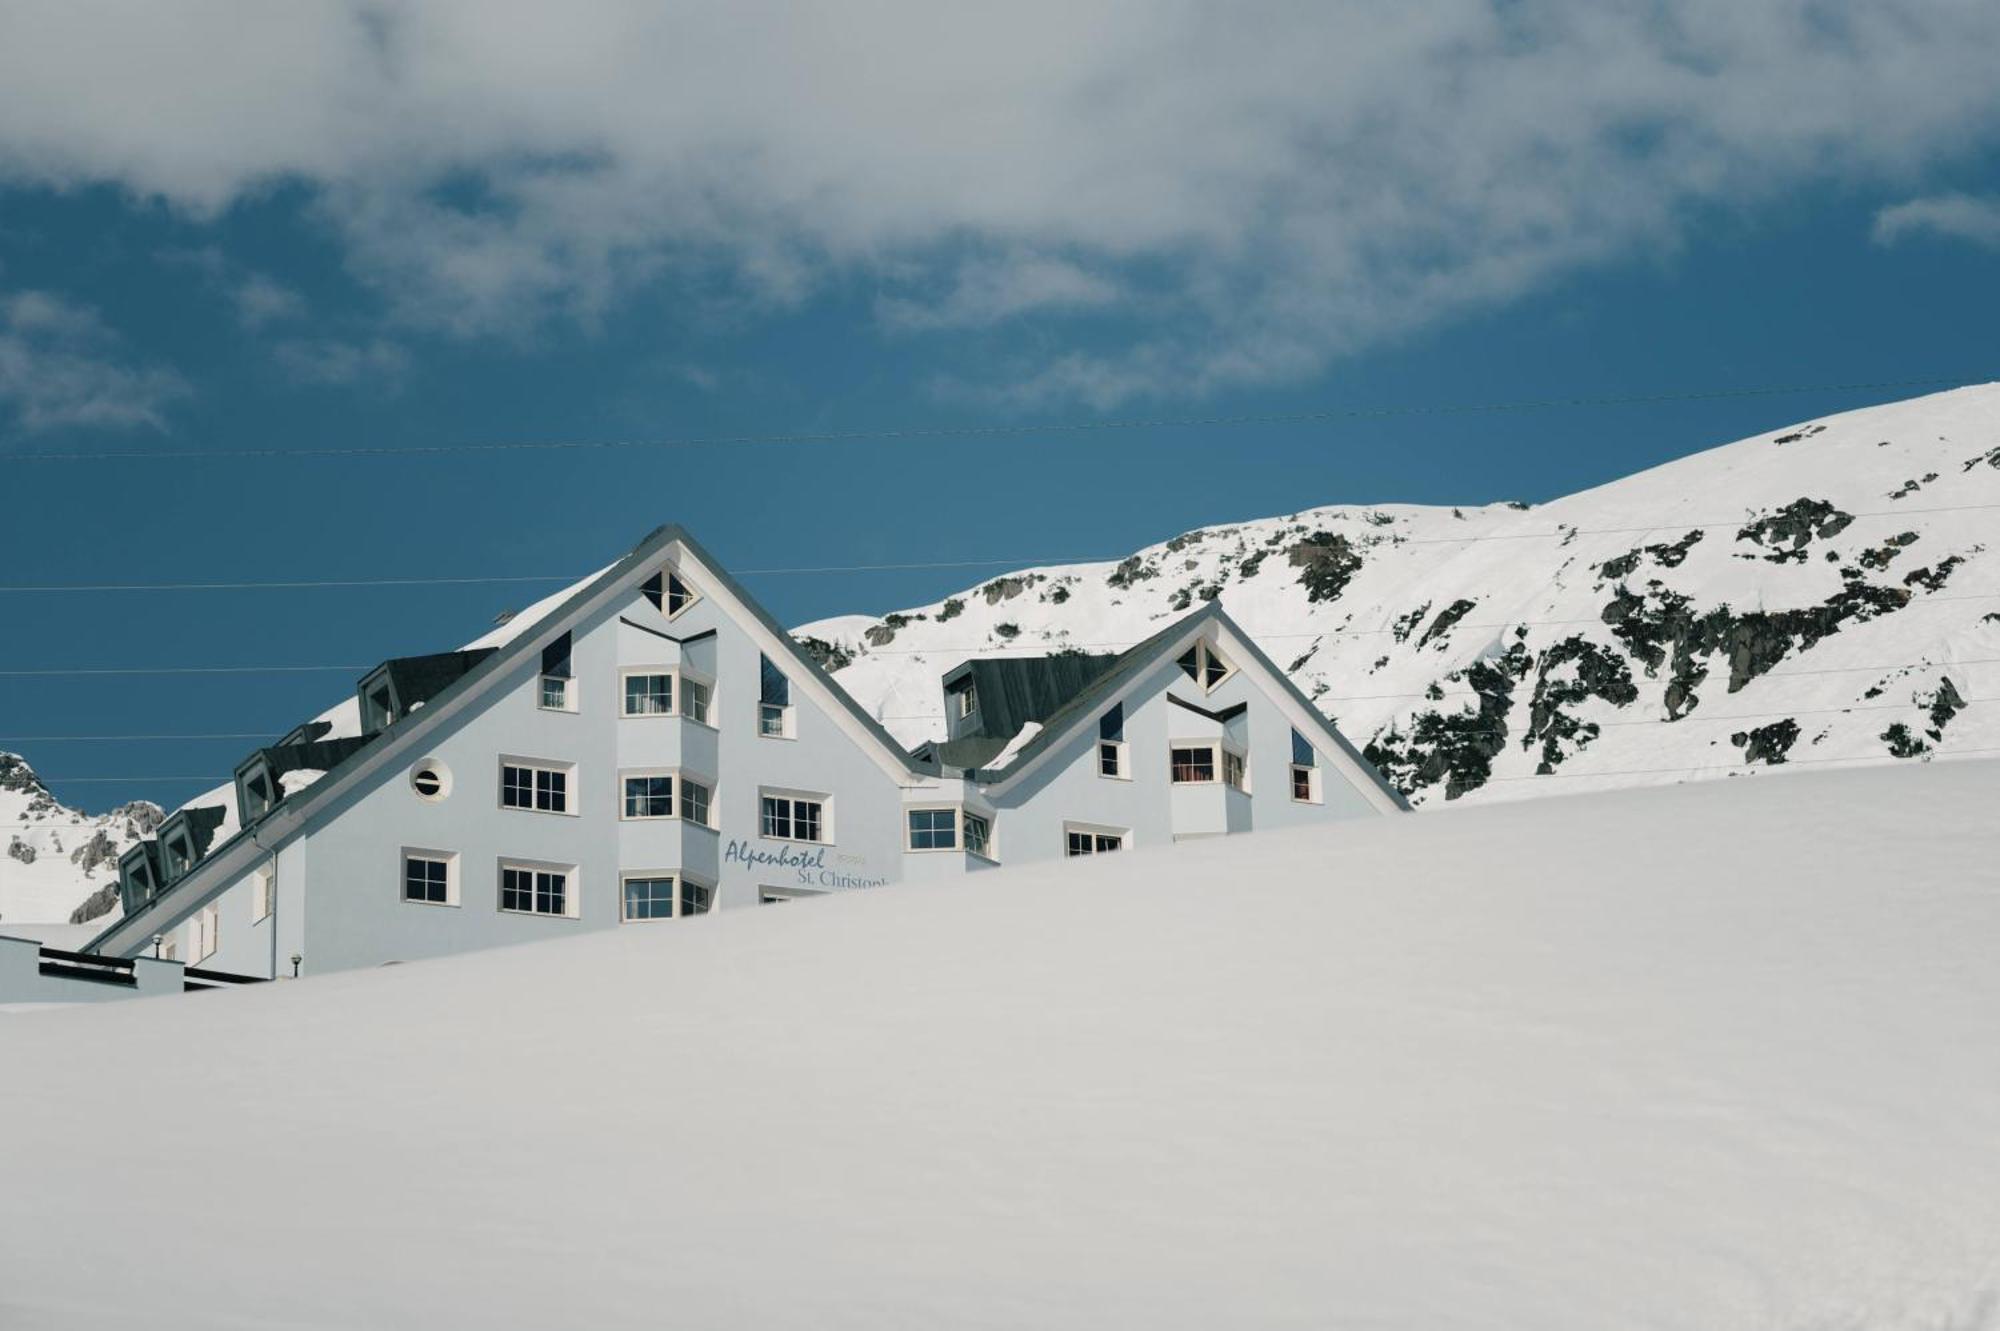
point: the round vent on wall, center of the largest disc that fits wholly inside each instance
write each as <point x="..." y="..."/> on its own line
<point x="431" y="779"/>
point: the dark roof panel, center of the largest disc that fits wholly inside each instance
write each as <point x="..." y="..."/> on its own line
<point x="1014" y="690"/>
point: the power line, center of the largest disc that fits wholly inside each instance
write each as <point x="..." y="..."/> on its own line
<point x="185" y="670"/>
<point x="62" y="739"/>
<point x="1746" y="767"/>
<point x="1013" y="561"/>
<point x="1002" y="431"/>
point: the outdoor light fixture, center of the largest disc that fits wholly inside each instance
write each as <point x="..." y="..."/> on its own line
<point x="296" y="959"/>
<point x="158" y="939"/>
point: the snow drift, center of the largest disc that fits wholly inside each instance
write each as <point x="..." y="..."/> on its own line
<point x="1710" y="1057"/>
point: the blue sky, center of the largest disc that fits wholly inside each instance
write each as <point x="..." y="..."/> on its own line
<point x="412" y="225"/>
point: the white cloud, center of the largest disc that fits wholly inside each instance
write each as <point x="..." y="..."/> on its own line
<point x="61" y="366"/>
<point x="1274" y="184"/>
<point x="331" y="362"/>
<point x="1960" y="216"/>
<point x="262" y="300"/>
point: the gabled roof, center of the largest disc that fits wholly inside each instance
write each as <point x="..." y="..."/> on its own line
<point x="1135" y="661"/>
<point x="236" y="856"/>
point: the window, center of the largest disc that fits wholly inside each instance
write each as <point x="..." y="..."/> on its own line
<point x="1111" y="759"/>
<point x="1232" y="768"/>
<point x="774" y="701"/>
<point x="1092" y="841"/>
<point x="167" y="946"/>
<point x="695" y="696"/>
<point x="207" y="924"/>
<point x="1193" y="764"/>
<point x="964" y="698"/>
<point x="776" y="896"/>
<point x="431" y="780"/>
<point x="257" y="794"/>
<point x="428" y="879"/>
<point x="556" y="691"/>
<point x="649" y="695"/>
<point x="555" y="694"/>
<point x="263" y="886"/>
<point x="933" y="829"/>
<point x="649" y="797"/>
<point x="649" y="898"/>
<point x="1205" y="665"/>
<point x="696" y="800"/>
<point x="696" y="898"/>
<point x="1305" y="770"/>
<point x="669" y="593"/>
<point x="978" y="835"/>
<point x="179" y="861"/>
<point x="790" y="818"/>
<point x="542" y="789"/>
<point x="531" y="890"/>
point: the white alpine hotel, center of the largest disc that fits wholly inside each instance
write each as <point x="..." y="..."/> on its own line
<point x="656" y="746"/>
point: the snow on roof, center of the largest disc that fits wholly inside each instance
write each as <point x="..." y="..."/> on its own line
<point x="1704" y="1057"/>
<point x="1022" y="739"/>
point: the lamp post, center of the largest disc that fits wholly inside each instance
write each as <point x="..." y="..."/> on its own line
<point x="296" y="959"/>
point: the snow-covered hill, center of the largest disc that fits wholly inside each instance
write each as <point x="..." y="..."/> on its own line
<point x="59" y="863"/>
<point x="1555" y="1065"/>
<point x="1825" y="592"/>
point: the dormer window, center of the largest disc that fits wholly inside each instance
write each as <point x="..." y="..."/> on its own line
<point x="257" y="794"/>
<point x="1206" y="666"/>
<point x="381" y="708"/>
<point x="179" y="857"/>
<point x="669" y="593"/>
<point x="962" y="699"/>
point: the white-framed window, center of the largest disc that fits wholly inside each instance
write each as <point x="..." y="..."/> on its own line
<point x="670" y="593"/>
<point x="430" y="877"/>
<point x="257" y="794"/>
<point x="774" y="896"/>
<point x="263" y="887"/>
<point x="207" y="931"/>
<point x="964" y="698"/>
<point x="1305" y="770"/>
<point x="663" y="894"/>
<point x="790" y="816"/>
<point x="647" y="795"/>
<point x="1206" y="666"/>
<point x="932" y="829"/>
<point x="537" y="889"/>
<point x="978" y="835"/>
<point x="1233" y="772"/>
<point x="665" y="691"/>
<point x="1113" y="760"/>
<point x="648" y="692"/>
<point x="556" y="693"/>
<point x="1088" y="839"/>
<point x="536" y="786"/>
<point x="774" y="701"/>
<point x="697" y="801"/>
<point x="1191" y="764"/>
<point x="168" y="948"/>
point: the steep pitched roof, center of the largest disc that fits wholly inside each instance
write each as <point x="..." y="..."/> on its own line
<point x="1084" y="706"/>
<point x="236" y="856"/>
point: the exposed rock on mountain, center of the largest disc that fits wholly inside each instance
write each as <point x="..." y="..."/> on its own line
<point x="1822" y="593"/>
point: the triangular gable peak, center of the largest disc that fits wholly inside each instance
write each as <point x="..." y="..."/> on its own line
<point x="1239" y="654"/>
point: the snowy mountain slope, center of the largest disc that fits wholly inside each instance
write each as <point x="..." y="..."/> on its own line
<point x="1822" y="593"/>
<point x="54" y="858"/>
<point x="1620" y="1081"/>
